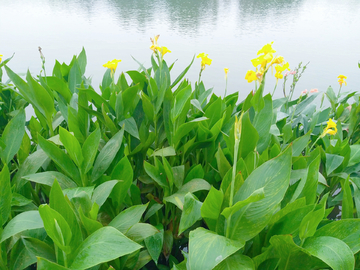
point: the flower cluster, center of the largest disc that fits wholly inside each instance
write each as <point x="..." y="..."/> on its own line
<point x="156" y="48"/>
<point x="112" y="65"/>
<point x="342" y="79"/>
<point x="205" y="60"/>
<point x="264" y="61"/>
<point x="330" y="128"/>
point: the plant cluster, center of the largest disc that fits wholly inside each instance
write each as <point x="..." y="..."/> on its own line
<point x="156" y="173"/>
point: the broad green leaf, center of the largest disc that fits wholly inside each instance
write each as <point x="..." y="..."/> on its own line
<point x="60" y="158"/>
<point x="291" y="255"/>
<point x="156" y="175"/>
<point x="152" y="210"/>
<point x="300" y="143"/>
<point x="141" y="231"/>
<point x="89" y="224"/>
<point x="73" y="192"/>
<point x="212" y="205"/>
<point x="59" y="86"/>
<point x="181" y="99"/>
<point x="62" y="205"/>
<point x="347" y="230"/>
<point x="192" y="186"/>
<point x="127" y="218"/>
<point x="104" y="245"/>
<point x="165" y="152"/>
<point x="191" y="212"/>
<point x="257" y="195"/>
<point x="332" y="251"/>
<point x="48" y="177"/>
<point x="309" y="190"/>
<point x="222" y="163"/>
<point x="74" y="78"/>
<point x="56" y="227"/>
<point x="347" y="209"/>
<point x="44" y="264"/>
<point x="310" y="223"/>
<point x="262" y="123"/>
<point x="72" y="146"/>
<point x="106" y="155"/>
<point x="102" y="192"/>
<point x="236" y="261"/>
<point x="28" y="220"/>
<point x="89" y="149"/>
<point x="154" y="243"/>
<point x="19" y="200"/>
<point x="248" y="138"/>
<point x="207" y="249"/>
<point x="12" y="137"/>
<point x="148" y="107"/>
<point x="332" y="162"/>
<point x="354" y="155"/>
<point x="273" y="176"/>
<point x="5" y="195"/>
<point x="124" y="172"/>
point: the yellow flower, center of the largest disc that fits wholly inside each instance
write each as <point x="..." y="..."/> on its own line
<point x="267" y="49"/>
<point x="260" y="60"/>
<point x="279" y="69"/>
<point x="330" y="128"/>
<point x="112" y="64"/>
<point x="226" y="72"/>
<point x="251" y="76"/>
<point x="163" y="50"/>
<point x="1" y="57"/>
<point x="205" y="60"/>
<point x="278" y="60"/>
<point x="154" y="45"/>
<point x="342" y="79"/>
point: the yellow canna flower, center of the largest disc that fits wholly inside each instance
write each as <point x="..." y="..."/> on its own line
<point x="154" y="45"/>
<point x="112" y="65"/>
<point x="251" y="76"/>
<point x="342" y="79"/>
<point x="278" y="60"/>
<point x="267" y="49"/>
<point x="260" y="60"/>
<point x="279" y="69"/>
<point x="226" y="72"/>
<point x="1" y="57"/>
<point x="163" y="50"/>
<point x="330" y="128"/>
<point x="205" y="60"/>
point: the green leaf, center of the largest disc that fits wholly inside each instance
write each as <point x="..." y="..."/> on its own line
<point x="300" y="143"/>
<point x="222" y="163"/>
<point x="102" y="192"/>
<point x="332" y="162"/>
<point x="347" y="230"/>
<point x="156" y="175"/>
<point x="332" y="251"/>
<point x="72" y="146"/>
<point x="165" y="152"/>
<point x="154" y="243"/>
<point x="248" y="138"/>
<point x="141" y="231"/>
<point x="212" y="205"/>
<point x="104" y="245"/>
<point x="60" y="158"/>
<point x="192" y="186"/>
<point x="44" y="264"/>
<point x="12" y="137"/>
<point x="5" y="195"/>
<point x="236" y="261"/>
<point x="127" y="218"/>
<point x="207" y="249"/>
<point x="273" y="176"/>
<point x="310" y="223"/>
<point x="89" y="149"/>
<point x="106" y="155"/>
<point x="257" y="195"/>
<point x="56" y="227"/>
<point x="182" y="74"/>
<point x="148" y="107"/>
<point x="347" y="209"/>
<point x="59" y="86"/>
<point x="124" y="172"/>
<point x="354" y="155"/>
<point x="191" y="212"/>
<point x="180" y="101"/>
<point x="28" y="220"/>
<point x="47" y="178"/>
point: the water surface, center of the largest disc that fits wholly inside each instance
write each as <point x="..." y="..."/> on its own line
<point x="324" y="32"/>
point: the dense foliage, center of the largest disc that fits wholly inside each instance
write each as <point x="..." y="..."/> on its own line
<point x="156" y="173"/>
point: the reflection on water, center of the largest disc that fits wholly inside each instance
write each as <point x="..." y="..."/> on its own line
<point x="324" y="32"/>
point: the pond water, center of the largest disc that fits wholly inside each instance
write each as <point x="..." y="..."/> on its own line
<point x="324" y="32"/>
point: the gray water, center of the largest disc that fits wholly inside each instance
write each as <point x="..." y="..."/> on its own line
<point x="324" y="32"/>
